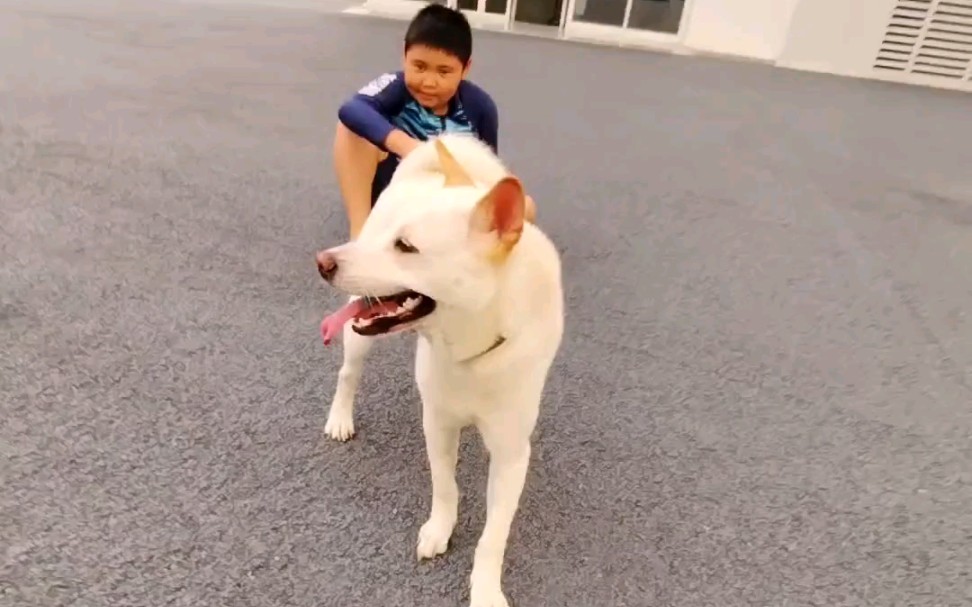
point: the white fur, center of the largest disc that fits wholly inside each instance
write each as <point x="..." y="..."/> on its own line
<point x="498" y="392"/>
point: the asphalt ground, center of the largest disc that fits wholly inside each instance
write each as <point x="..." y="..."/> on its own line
<point x="763" y="396"/>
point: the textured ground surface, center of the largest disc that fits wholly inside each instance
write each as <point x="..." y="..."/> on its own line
<point x="763" y="398"/>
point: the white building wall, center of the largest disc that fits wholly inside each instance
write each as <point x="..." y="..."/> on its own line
<point x="924" y="42"/>
<point x="755" y="29"/>
<point x="846" y="37"/>
<point x="836" y="36"/>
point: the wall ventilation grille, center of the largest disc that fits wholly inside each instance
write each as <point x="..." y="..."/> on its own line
<point x="931" y="38"/>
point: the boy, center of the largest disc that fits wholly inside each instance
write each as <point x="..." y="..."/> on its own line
<point x="394" y="113"/>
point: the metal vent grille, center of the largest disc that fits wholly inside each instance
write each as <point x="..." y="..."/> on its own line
<point x="932" y="38"/>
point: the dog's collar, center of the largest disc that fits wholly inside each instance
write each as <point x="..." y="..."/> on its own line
<point x="500" y="340"/>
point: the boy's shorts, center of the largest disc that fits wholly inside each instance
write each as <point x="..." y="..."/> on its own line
<point x="383" y="175"/>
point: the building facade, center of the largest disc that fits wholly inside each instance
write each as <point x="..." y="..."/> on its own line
<point x="925" y="42"/>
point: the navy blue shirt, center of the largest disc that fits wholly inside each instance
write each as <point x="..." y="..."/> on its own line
<point x="385" y="104"/>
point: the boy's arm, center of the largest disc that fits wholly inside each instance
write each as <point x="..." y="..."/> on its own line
<point x="367" y="114"/>
<point x="486" y="118"/>
<point x="482" y="110"/>
<point x="490" y="125"/>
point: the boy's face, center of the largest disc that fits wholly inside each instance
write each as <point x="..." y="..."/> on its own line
<point x="432" y="76"/>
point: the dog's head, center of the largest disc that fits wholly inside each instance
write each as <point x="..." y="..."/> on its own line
<point x="433" y="241"/>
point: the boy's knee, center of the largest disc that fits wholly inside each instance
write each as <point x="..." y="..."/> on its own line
<point x="346" y="137"/>
<point x="348" y="142"/>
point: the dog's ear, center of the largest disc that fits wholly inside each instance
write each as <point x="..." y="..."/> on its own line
<point x="500" y="213"/>
<point x="455" y="175"/>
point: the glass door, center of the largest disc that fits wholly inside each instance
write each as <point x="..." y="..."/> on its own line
<point x="484" y="12"/>
<point x="496" y="7"/>
<point x="655" y="15"/>
<point x="601" y="12"/>
<point x="540" y="16"/>
<point x="627" y="20"/>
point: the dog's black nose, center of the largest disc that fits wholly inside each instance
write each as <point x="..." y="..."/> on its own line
<point x="326" y="265"/>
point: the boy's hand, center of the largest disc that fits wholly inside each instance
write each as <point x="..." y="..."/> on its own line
<point x="530" y="209"/>
<point x="400" y="143"/>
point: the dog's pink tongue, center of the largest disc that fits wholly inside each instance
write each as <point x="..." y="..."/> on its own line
<point x="334" y="323"/>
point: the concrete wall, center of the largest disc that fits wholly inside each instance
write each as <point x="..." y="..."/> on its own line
<point x="836" y="36"/>
<point x="749" y="28"/>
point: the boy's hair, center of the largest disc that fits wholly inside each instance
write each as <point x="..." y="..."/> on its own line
<point x="442" y="28"/>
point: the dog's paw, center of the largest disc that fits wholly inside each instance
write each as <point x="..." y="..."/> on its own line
<point x="340" y="424"/>
<point x="433" y="538"/>
<point x="487" y="596"/>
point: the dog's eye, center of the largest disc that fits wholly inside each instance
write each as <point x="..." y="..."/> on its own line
<point x="405" y="246"/>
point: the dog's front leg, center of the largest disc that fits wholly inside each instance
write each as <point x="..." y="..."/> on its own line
<point x="509" y="458"/>
<point x="340" y="419"/>
<point x="442" y="445"/>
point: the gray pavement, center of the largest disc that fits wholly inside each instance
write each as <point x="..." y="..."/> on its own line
<point x="763" y="397"/>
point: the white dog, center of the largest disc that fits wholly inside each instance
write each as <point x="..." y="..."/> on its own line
<point x="446" y="251"/>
